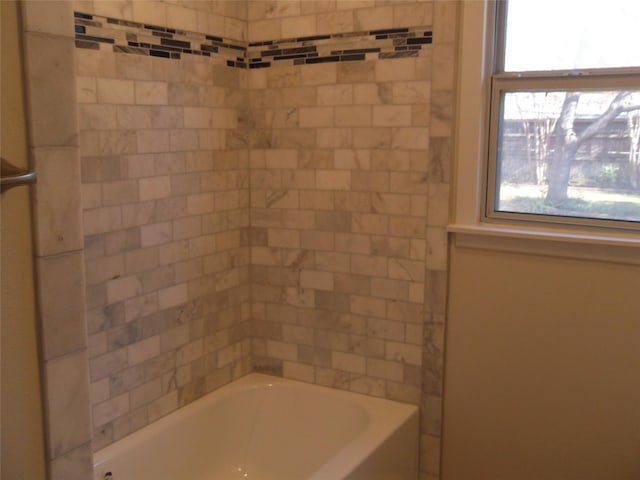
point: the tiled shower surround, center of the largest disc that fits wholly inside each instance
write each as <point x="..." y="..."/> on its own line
<point x="264" y="187"/>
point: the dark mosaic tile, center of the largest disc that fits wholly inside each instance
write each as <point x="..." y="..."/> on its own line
<point x="270" y="53"/>
<point x="333" y="58"/>
<point x="352" y="58"/>
<point x="126" y="23"/>
<point x="230" y="45"/>
<point x="355" y="50"/>
<point x="88" y="45"/>
<point x="291" y="57"/>
<point x="406" y="53"/>
<point x="313" y="38"/>
<point x="92" y="38"/>
<point x="231" y="63"/>
<point x="156" y="33"/>
<point x="167" y="48"/>
<point x="417" y="41"/>
<point x="159" y="53"/>
<point x="349" y="34"/>
<point x="261" y="44"/>
<point x="155" y="28"/>
<point x="88" y="23"/>
<point x="289" y="51"/>
<point x="134" y="50"/>
<point x="388" y="30"/>
<point x="174" y="43"/>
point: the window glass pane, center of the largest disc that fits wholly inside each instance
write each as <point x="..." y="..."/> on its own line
<point x="569" y="153"/>
<point x="570" y="34"/>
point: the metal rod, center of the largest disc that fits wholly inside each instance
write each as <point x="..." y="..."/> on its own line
<point x="17" y="180"/>
<point x="12" y="176"/>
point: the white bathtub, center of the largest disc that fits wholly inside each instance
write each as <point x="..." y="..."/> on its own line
<point x="266" y="428"/>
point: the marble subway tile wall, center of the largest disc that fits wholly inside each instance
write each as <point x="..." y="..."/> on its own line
<point x="339" y="192"/>
<point x="349" y="170"/>
<point x="280" y="205"/>
<point x="165" y="197"/>
<point x="338" y="223"/>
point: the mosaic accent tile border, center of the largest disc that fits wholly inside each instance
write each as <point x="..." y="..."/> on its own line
<point x="110" y="34"/>
<point x="341" y="47"/>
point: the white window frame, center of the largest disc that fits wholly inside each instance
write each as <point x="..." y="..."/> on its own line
<point x="469" y="222"/>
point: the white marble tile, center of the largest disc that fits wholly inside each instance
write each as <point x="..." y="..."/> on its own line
<point x="74" y="465"/>
<point x="148" y="11"/>
<point x="51" y="89"/>
<point x="67" y="397"/>
<point x="57" y="200"/>
<point x="61" y="304"/>
<point x="437" y="248"/>
<point x="374" y="18"/>
<point x="54" y="17"/>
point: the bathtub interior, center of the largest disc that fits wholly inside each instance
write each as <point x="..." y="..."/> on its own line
<point x="259" y="427"/>
<point x="308" y="437"/>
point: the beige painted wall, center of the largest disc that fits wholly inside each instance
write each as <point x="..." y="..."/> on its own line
<point x="21" y="433"/>
<point x="541" y="369"/>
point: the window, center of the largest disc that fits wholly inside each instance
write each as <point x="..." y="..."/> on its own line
<point x="564" y="113"/>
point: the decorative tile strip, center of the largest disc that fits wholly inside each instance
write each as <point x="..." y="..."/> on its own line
<point x="110" y="34"/>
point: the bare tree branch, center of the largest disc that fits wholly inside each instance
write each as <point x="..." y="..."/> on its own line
<point x="616" y="107"/>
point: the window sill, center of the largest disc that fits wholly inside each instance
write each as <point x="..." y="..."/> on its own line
<point x="620" y="248"/>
